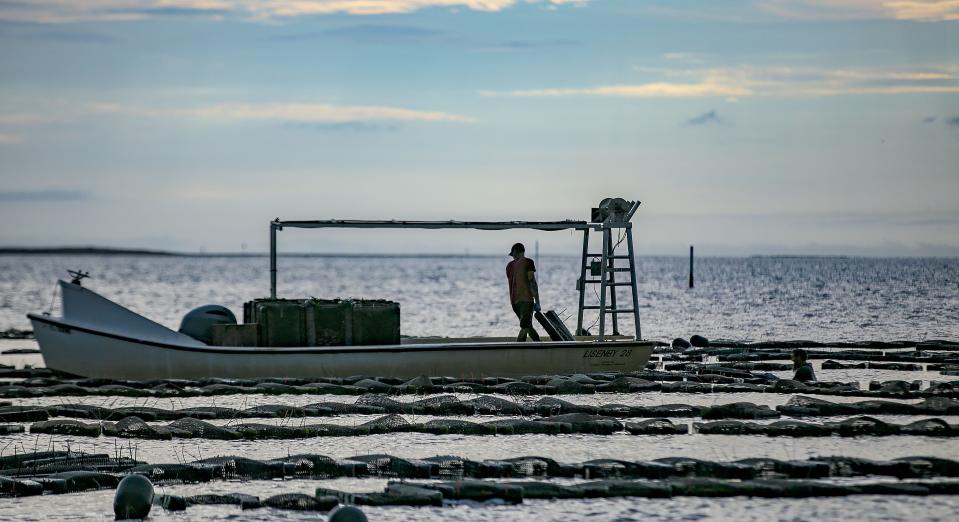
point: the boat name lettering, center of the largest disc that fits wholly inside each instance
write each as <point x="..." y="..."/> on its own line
<point x="598" y="353"/>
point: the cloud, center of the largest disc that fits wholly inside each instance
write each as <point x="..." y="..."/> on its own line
<point x="10" y="139"/>
<point x="645" y="90"/>
<point x="366" y="34"/>
<point x="384" y="33"/>
<point x="316" y="113"/>
<point x="690" y="58"/>
<point x="915" y="10"/>
<point x="10" y="123"/>
<point x="174" y="10"/>
<point x="524" y="45"/>
<point x="752" y="81"/>
<point x="949" y="121"/>
<point x="407" y="34"/>
<point x="44" y="195"/>
<point x="705" y="118"/>
<point x="288" y="113"/>
<point x="22" y="118"/>
<point x="66" y="11"/>
<point x="350" y="126"/>
<point x="45" y="32"/>
<point x="764" y="11"/>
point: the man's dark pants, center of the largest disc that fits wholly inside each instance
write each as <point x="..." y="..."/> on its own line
<point x="524" y="310"/>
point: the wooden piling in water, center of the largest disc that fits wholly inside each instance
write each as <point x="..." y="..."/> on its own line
<point x="690" y="266"/>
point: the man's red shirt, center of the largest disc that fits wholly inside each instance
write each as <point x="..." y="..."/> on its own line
<point x="516" y="273"/>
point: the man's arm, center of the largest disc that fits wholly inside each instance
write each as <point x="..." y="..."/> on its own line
<point x="533" y="288"/>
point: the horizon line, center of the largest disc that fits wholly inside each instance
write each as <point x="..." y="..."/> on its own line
<point x="142" y="252"/>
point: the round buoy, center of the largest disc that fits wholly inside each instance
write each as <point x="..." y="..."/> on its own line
<point x="347" y="514"/>
<point x="134" y="497"/>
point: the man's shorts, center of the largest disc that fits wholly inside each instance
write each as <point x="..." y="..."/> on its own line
<point x="524" y="310"/>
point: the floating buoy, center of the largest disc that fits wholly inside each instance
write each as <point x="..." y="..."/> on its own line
<point x="134" y="497"/>
<point x="347" y="514"/>
<point x="699" y="341"/>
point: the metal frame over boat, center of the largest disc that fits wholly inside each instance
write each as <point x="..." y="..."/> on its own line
<point x="96" y="337"/>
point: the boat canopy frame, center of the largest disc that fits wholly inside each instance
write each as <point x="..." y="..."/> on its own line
<point x="607" y="263"/>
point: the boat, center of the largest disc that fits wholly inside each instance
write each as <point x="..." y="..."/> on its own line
<point x="99" y="338"/>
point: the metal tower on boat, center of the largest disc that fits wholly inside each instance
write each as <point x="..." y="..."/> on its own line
<point x="612" y="214"/>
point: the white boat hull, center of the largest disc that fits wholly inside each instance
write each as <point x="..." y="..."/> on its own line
<point x="76" y="345"/>
<point x="89" y="354"/>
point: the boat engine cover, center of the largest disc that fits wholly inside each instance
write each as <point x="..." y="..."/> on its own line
<point x="198" y="323"/>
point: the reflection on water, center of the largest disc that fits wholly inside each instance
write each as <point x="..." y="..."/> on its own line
<point x="737" y="298"/>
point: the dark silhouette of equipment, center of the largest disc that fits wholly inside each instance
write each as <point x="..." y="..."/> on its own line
<point x="78" y="275"/>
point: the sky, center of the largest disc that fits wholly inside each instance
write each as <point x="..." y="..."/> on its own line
<point x="744" y="127"/>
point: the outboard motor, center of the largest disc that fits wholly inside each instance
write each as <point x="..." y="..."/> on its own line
<point x="198" y="324"/>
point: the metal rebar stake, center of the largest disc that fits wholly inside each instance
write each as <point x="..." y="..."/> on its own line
<point x="612" y="281"/>
<point x="582" y="283"/>
<point x="273" y="227"/>
<point x="602" y="288"/>
<point x="632" y="271"/>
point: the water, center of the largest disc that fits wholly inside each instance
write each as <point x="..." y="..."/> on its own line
<point x="89" y="506"/>
<point x="829" y="299"/>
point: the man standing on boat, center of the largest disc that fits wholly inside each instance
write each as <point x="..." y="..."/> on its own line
<point x="523" y="292"/>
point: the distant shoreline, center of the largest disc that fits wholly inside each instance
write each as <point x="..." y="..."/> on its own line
<point x="83" y="250"/>
<point x="142" y="252"/>
<point x="103" y="251"/>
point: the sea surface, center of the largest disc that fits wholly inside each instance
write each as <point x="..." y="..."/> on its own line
<point x="756" y="298"/>
<point x="823" y="299"/>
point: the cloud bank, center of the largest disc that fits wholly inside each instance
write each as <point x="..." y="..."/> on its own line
<point x="285" y="112"/>
<point x="66" y="11"/>
<point x="915" y="10"/>
<point x="753" y="81"/>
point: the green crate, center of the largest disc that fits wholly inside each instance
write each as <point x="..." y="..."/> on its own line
<point x="375" y="322"/>
<point x="324" y="322"/>
<point x="328" y="322"/>
<point x="282" y="322"/>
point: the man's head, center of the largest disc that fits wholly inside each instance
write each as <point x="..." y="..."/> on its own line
<point x="518" y="250"/>
<point x="799" y="357"/>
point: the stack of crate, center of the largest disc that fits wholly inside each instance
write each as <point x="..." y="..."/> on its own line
<point x="324" y="322"/>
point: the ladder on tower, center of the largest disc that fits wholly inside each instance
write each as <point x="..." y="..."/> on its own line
<point x="602" y="269"/>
